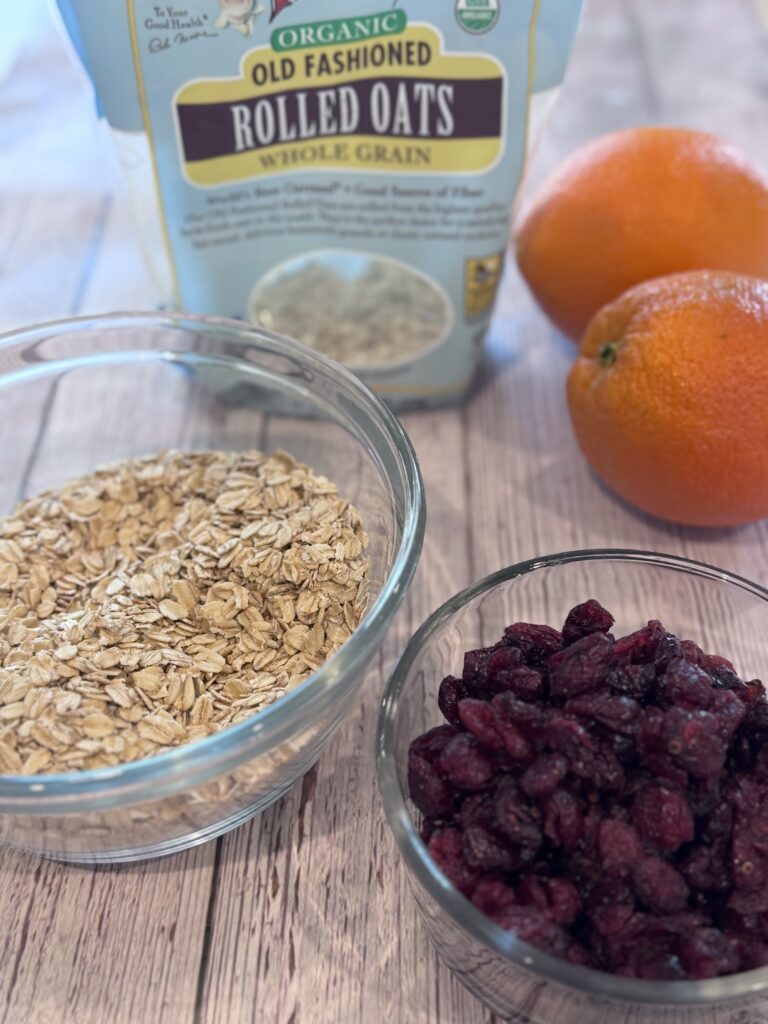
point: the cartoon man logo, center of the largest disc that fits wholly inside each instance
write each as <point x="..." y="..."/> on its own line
<point x="482" y="273"/>
<point x="239" y="14"/>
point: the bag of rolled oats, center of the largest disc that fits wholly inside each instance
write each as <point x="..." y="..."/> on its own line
<point x="340" y="171"/>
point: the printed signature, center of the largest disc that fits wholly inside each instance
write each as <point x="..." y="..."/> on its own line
<point x="160" y="43"/>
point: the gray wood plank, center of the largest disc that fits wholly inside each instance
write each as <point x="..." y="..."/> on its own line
<point x="307" y="892"/>
<point x="708" y="63"/>
<point x="107" y="944"/>
<point x="85" y="945"/>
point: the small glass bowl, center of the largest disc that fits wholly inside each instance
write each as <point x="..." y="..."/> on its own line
<point x="722" y="612"/>
<point x="84" y="392"/>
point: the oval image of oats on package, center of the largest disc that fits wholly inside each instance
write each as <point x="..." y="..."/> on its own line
<point x="369" y="312"/>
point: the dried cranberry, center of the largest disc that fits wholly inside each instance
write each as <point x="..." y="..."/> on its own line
<point x="721" y="671"/>
<point x="513" y="740"/>
<point x="708" y="953"/>
<point x="592" y="817"/>
<point x="753" y="953"/>
<point x="729" y="712"/>
<point x="668" y="649"/>
<point x="541" y="779"/>
<point x="563" y="820"/>
<point x="465" y="763"/>
<point x="756" y="722"/>
<point x="585" y="758"/>
<point x="742" y="756"/>
<point x="580" y="667"/>
<point x="431" y="794"/>
<point x="530" y="925"/>
<point x="686" y="686"/>
<point x="659" y="885"/>
<point x="525" y="683"/>
<point x="650" y="944"/>
<point x="484" y="850"/>
<point x="477" y="717"/>
<point x="622" y="745"/>
<point x="619" y="846"/>
<point x="665" y="768"/>
<point x="556" y="897"/>
<point x="474" y="672"/>
<point x="706" y="868"/>
<point x="503" y="659"/>
<point x="631" y="680"/>
<point x="749" y="868"/>
<point x="758" y="825"/>
<point x="589" y="617"/>
<point x="745" y="795"/>
<point x="618" y="714"/>
<point x="493" y="897"/>
<point x="748" y="903"/>
<point x="531" y="892"/>
<point x="536" y="643"/>
<point x="758" y="763"/>
<point x="639" y="648"/>
<point x="692" y="740"/>
<point x="432" y="743"/>
<point x="506" y="670"/>
<point x="451" y="691"/>
<point x="529" y="719"/>
<point x="564" y="900"/>
<point x="570" y="738"/>
<point x="704" y="796"/>
<point x="717" y="820"/>
<point x="650" y="735"/>
<point x="578" y="955"/>
<point x="691" y="652"/>
<point x="611" y="906"/>
<point x="476" y="809"/>
<point x="662" y="816"/>
<point x="514" y="817"/>
<point x="445" y="848"/>
<point x="751" y="691"/>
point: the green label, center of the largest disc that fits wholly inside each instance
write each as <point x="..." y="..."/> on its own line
<point x="341" y="30"/>
<point x="477" y="16"/>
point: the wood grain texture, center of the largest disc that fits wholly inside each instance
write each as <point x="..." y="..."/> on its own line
<point x="105" y="944"/>
<point x="304" y="915"/>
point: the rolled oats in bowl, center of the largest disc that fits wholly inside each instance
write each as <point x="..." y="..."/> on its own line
<point x="223" y="605"/>
<point x="158" y="600"/>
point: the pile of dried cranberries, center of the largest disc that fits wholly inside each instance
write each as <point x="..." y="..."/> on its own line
<point x="606" y="799"/>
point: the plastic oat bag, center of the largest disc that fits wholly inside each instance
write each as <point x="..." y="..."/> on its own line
<point x="341" y="171"/>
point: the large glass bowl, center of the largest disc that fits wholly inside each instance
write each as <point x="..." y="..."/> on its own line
<point x="721" y="612"/>
<point x="80" y="393"/>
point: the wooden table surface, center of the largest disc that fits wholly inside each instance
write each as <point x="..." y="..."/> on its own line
<point x="303" y="916"/>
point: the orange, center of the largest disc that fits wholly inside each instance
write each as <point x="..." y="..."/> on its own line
<point x="639" y="204"/>
<point x="669" y="397"/>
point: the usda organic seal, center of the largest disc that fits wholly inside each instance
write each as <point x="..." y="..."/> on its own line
<point x="477" y="15"/>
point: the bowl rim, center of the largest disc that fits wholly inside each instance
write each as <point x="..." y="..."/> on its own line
<point x="465" y="915"/>
<point x="190" y="763"/>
